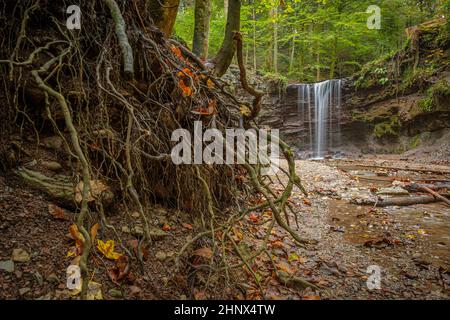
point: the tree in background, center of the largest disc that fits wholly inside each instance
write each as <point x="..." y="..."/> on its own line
<point x="200" y="43"/>
<point x="226" y="52"/>
<point x="163" y="13"/>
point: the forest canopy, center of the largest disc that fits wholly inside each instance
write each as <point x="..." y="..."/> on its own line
<point x="312" y="40"/>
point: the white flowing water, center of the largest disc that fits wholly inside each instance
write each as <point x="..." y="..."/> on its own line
<point x="319" y="107"/>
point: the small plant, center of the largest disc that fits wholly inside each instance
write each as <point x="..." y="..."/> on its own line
<point x="390" y="127"/>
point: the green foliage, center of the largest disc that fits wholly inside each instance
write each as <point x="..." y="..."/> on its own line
<point x="315" y="39"/>
<point x="438" y="90"/>
<point x="390" y="127"/>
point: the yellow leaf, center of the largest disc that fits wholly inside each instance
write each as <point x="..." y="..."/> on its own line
<point x="245" y="110"/>
<point x="210" y="83"/>
<point x="107" y="248"/>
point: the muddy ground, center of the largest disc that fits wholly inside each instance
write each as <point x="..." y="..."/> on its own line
<point x="409" y="245"/>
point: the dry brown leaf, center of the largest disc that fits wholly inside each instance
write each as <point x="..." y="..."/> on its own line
<point x="203" y="252"/>
<point x="57" y="212"/>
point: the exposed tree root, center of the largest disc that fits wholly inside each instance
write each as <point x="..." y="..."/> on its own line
<point x="119" y="122"/>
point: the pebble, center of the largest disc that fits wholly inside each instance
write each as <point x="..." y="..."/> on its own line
<point x="53" y="278"/>
<point x="161" y="256"/>
<point x="7" y="265"/>
<point x="115" y="293"/>
<point x="20" y="255"/>
<point x="23" y="291"/>
<point x="39" y="278"/>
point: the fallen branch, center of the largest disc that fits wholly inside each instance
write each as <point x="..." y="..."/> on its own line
<point x="436" y="195"/>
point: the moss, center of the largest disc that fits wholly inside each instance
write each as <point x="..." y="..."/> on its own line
<point x="440" y="89"/>
<point x="390" y="127"/>
<point x="415" y="142"/>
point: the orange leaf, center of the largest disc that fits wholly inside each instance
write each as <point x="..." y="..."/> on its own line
<point x="187" y="91"/>
<point x="177" y="52"/>
<point x="166" y="227"/>
<point x="254" y="218"/>
<point x="201" y="111"/>
<point x="94" y="231"/>
<point x="311" y="298"/>
<point x="187" y="226"/>
<point x="57" y="212"/>
<point x="210" y="83"/>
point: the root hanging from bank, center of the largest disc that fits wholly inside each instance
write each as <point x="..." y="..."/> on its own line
<point x="115" y="91"/>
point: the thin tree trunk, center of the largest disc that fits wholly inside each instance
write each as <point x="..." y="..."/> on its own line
<point x="225" y="55"/>
<point x="254" y="37"/>
<point x="163" y="13"/>
<point x="201" y="28"/>
<point x="274" y="13"/>
<point x="291" y="58"/>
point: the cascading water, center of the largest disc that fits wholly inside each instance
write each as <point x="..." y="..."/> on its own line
<point x="319" y="107"/>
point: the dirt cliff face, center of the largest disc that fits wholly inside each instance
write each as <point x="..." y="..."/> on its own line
<point x="392" y="105"/>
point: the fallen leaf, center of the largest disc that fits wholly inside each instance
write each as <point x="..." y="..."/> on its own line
<point x="254" y="218"/>
<point x="187" y="226"/>
<point x="57" y="212"/>
<point x="187" y="91"/>
<point x="311" y="298"/>
<point x="94" y="291"/>
<point x="245" y="111"/>
<point x="203" y="252"/>
<point x="284" y="266"/>
<point x="97" y="187"/>
<point x="107" y="248"/>
<point x="210" y="83"/>
<point x="79" y="239"/>
<point x="166" y="227"/>
<point x="94" y="231"/>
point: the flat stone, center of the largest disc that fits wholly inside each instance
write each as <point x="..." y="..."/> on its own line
<point x="115" y="293"/>
<point x="161" y="256"/>
<point x="157" y="234"/>
<point x="136" y="215"/>
<point x="39" y="278"/>
<point x="138" y="231"/>
<point x="7" y="265"/>
<point x="53" y="278"/>
<point x="125" y="229"/>
<point x="23" y="291"/>
<point x="393" y="191"/>
<point x="20" y="255"/>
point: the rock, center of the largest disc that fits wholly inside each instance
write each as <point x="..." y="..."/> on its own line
<point x="23" y="291"/>
<point x="115" y="293"/>
<point x="7" y="266"/>
<point x="136" y="215"/>
<point x="157" y="234"/>
<point x="18" y="274"/>
<point x="54" y="142"/>
<point x="161" y="256"/>
<point x="134" y="290"/>
<point x="138" y="231"/>
<point x="39" y="278"/>
<point x="392" y="191"/>
<point x="48" y="296"/>
<point x="125" y="229"/>
<point x="20" y="255"/>
<point x="53" y="278"/>
<point x="51" y="165"/>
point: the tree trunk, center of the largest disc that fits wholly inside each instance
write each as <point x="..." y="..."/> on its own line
<point x="274" y="14"/>
<point x="163" y="13"/>
<point x="254" y="38"/>
<point x="225" y="55"/>
<point x="201" y="28"/>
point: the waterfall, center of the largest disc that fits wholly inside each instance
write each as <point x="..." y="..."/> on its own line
<point x="319" y="106"/>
